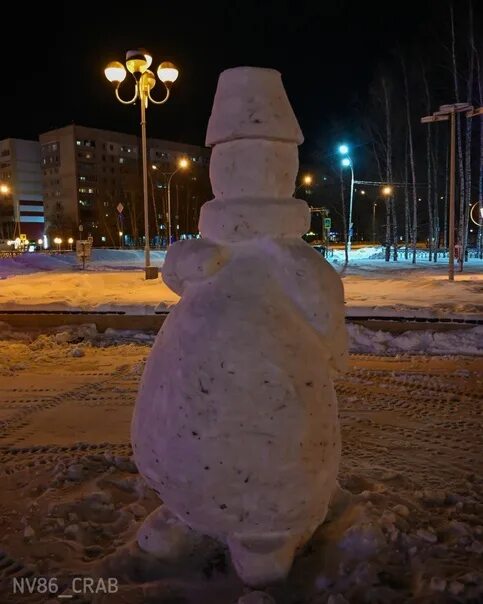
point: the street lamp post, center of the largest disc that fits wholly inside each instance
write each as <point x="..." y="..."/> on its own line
<point x="445" y="113"/>
<point x="183" y="164"/>
<point x="374" y="206"/>
<point x="347" y="163"/>
<point x="138" y="63"/>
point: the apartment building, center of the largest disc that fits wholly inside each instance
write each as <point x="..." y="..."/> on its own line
<point x="21" y="197"/>
<point x="90" y="174"/>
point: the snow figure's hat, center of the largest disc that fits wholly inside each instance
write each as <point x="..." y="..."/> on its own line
<point x="250" y="102"/>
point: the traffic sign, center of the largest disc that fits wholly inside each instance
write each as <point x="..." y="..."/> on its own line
<point x="119" y="208"/>
<point x="327" y="223"/>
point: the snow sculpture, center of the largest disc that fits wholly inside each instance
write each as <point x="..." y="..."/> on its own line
<point x="236" y="424"/>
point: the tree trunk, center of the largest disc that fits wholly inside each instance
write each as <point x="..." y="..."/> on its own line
<point x="434" y="161"/>
<point x="414" y="225"/>
<point x="406" y="203"/>
<point x="387" y="113"/>
<point x="459" y="142"/>
<point x="446" y="190"/>
<point x="428" y="170"/>
<point x="469" y="123"/>
<point x="480" y="176"/>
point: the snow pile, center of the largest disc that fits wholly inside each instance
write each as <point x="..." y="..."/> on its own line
<point x="467" y="341"/>
<point x="126" y="291"/>
<point x="101" y="260"/>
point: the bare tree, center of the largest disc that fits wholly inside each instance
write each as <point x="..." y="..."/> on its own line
<point x="480" y="175"/>
<point x="459" y="137"/>
<point x="388" y="158"/>
<point x="436" y="224"/>
<point x="414" y="225"/>
<point x="407" y="217"/>
<point x="469" y="123"/>
<point x="428" y="168"/>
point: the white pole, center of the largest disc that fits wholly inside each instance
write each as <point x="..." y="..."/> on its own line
<point x="350" y="209"/>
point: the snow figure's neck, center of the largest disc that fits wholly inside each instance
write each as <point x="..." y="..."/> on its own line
<point x="254" y="163"/>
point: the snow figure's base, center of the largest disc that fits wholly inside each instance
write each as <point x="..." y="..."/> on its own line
<point x="166" y="537"/>
<point x="261" y="560"/>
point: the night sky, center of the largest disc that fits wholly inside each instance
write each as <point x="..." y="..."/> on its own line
<point x="327" y="52"/>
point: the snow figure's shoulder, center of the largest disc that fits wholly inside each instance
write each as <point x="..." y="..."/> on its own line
<point x="192" y="261"/>
<point x="316" y="289"/>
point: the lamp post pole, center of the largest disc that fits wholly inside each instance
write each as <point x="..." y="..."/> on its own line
<point x="183" y="163"/>
<point x="349" y="238"/>
<point x="445" y="113"/>
<point x="452" y="179"/>
<point x="144" y="152"/>
<point x="138" y="63"/>
<point x="347" y="163"/>
<point x="374" y="205"/>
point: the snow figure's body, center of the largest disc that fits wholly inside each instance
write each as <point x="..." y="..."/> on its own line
<point x="236" y="424"/>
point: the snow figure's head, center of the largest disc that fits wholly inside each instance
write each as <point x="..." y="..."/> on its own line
<point x="255" y="134"/>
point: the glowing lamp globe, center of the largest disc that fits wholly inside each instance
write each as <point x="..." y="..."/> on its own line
<point x="346" y="162"/>
<point x="343" y="149"/>
<point x="115" y="72"/>
<point x="138" y="61"/>
<point x="168" y="72"/>
<point x="149" y="79"/>
<point x="183" y="163"/>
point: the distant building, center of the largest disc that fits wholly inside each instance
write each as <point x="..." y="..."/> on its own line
<point x="21" y="205"/>
<point x="89" y="174"/>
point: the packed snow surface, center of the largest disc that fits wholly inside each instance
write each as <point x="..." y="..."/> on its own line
<point x="406" y="525"/>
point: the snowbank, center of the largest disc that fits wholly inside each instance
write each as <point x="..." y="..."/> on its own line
<point x="113" y="281"/>
<point x="101" y="259"/>
<point x="455" y="342"/>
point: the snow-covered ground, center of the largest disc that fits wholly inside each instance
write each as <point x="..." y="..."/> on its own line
<point x="406" y="527"/>
<point x="114" y="281"/>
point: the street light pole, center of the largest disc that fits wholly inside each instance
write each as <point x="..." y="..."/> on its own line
<point x="452" y="179"/>
<point x="347" y="162"/>
<point x="374" y="205"/>
<point x="445" y="113"/>
<point x="138" y="63"/>
<point x="144" y="148"/>
<point x="183" y="163"/>
<point x="349" y="238"/>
